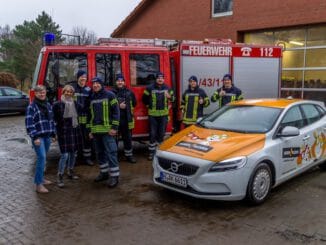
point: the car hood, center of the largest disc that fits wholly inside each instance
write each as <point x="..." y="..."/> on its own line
<point x="213" y="145"/>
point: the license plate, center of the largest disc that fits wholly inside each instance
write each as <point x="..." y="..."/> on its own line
<point x="173" y="179"/>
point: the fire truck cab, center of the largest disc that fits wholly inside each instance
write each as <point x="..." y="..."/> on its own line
<point x="256" y="70"/>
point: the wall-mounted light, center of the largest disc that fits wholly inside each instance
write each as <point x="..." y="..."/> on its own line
<point x="296" y="43"/>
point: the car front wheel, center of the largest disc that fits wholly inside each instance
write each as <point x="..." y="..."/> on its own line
<point x="260" y="184"/>
<point x="323" y="166"/>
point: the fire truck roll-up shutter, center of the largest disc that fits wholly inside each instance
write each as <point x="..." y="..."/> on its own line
<point x="257" y="77"/>
<point x="255" y="69"/>
<point x="209" y="71"/>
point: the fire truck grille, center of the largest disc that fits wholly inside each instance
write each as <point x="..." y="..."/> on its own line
<point x="177" y="167"/>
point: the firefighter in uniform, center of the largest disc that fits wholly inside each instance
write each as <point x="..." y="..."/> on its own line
<point x="227" y="93"/>
<point x="103" y="121"/>
<point x="82" y="94"/>
<point x="194" y="99"/>
<point x="157" y="97"/>
<point x="127" y="101"/>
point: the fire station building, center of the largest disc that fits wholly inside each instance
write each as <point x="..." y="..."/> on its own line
<point x="298" y="25"/>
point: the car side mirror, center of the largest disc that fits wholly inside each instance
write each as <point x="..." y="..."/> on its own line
<point x="289" y="131"/>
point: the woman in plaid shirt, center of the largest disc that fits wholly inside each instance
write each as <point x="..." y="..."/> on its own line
<point x="40" y="127"/>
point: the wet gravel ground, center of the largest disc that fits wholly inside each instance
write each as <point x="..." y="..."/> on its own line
<point x="137" y="212"/>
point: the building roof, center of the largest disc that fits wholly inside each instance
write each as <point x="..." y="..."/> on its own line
<point x="137" y="10"/>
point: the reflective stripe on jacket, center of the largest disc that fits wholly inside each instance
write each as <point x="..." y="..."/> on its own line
<point x="192" y="110"/>
<point x="154" y="98"/>
<point x="104" y="112"/>
<point x="82" y="97"/>
<point x="127" y="96"/>
<point x="232" y="94"/>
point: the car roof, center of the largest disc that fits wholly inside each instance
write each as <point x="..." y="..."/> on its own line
<point x="276" y="103"/>
<point x="8" y="87"/>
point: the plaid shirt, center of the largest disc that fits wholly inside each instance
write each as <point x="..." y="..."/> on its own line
<point x="37" y="124"/>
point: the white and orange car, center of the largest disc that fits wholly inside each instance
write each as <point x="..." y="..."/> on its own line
<point x="244" y="149"/>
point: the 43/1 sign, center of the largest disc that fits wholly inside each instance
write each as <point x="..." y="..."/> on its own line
<point x="209" y="82"/>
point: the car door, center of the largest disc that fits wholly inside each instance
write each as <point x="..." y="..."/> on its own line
<point x="15" y="100"/>
<point x="313" y="148"/>
<point x="291" y="147"/>
<point x="3" y="102"/>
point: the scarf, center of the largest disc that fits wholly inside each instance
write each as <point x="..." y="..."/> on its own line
<point x="43" y="106"/>
<point x="70" y="110"/>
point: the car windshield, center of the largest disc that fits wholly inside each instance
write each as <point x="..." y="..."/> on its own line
<point x="244" y="119"/>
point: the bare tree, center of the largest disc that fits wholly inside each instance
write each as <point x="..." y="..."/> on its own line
<point x="82" y="35"/>
<point x="5" y="32"/>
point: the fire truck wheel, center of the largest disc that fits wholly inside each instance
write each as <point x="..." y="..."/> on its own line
<point x="260" y="184"/>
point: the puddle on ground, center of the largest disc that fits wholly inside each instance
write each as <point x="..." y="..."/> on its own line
<point x="2" y="153"/>
<point x="20" y="140"/>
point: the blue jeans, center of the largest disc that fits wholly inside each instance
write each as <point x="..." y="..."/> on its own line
<point x="69" y="158"/>
<point x="41" y="151"/>
<point x="107" y="153"/>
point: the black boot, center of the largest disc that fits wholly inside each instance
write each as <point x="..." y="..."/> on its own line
<point x="150" y="156"/>
<point x="131" y="159"/>
<point x="60" y="181"/>
<point x="113" y="182"/>
<point x="101" y="177"/>
<point x="72" y="175"/>
<point x="89" y="162"/>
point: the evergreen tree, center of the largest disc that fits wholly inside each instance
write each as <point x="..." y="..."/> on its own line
<point x="20" y="50"/>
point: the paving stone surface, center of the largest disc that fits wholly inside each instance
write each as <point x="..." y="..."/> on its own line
<point x="137" y="212"/>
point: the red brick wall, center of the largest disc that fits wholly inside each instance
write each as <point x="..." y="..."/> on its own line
<point x="191" y="19"/>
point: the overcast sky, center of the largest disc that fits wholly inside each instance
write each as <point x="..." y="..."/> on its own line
<point x="100" y="16"/>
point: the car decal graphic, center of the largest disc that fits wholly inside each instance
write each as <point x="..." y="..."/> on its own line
<point x="319" y="146"/>
<point x="291" y="152"/>
<point x="211" y="138"/>
<point x="213" y="145"/>
<point x="194" y="146"/>
<point x="309" y="153"/>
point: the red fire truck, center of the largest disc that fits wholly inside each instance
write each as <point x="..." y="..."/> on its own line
<point x="255" y="69"/>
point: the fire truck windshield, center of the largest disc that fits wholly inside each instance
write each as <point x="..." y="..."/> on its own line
<point x="61" y="70"/>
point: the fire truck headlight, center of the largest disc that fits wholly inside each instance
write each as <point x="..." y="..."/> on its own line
<point x="229" y="164"/>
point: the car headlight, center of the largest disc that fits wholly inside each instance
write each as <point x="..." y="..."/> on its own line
<point x="229" y="164"/>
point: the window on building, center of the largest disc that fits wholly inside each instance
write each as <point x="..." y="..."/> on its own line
<point x="107" y="67"/>
<point x="222" y="7"/>
<point x="293" y="58"/>
<point x="315" y="79"/>
<point x="316" y="36"/>
<point x="303" y="62"/>
<point x="292" y="79"/>
<point x="143" y="68"/>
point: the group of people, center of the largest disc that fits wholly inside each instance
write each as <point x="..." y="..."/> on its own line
<point x="83" y="115"/>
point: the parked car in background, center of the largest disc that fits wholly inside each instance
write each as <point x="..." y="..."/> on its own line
<point x="244" y="149"/>
<point x="12" y="100"/>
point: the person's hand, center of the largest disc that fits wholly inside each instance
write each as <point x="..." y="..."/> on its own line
<point x="90" y="135"/>
<point x="222" y="92"/>
<point x="113" y="132"/>
<point x="123" y="105"/>
<point x="167" y="95"/>
<point x="201" y="101"/>
<point x="54" y="139"/>
<point x="37" y="142"/>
